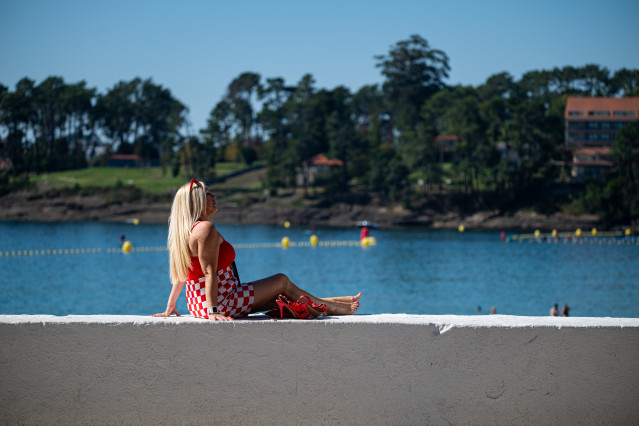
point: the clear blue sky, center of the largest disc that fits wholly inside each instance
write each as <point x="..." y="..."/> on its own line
<point x="195" y="48"/>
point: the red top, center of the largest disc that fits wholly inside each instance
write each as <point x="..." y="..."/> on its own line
<point x="225" y="257"/>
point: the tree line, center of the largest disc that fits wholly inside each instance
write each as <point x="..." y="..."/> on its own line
<point x="58" y="126"/>
<point x="389" y="135"/>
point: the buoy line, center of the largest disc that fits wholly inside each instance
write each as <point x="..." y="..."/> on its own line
<point x="127" y="247"/>
<point x="577" y="237"/>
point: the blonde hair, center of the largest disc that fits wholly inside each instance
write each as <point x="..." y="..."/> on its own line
<point x="188" y="206"/>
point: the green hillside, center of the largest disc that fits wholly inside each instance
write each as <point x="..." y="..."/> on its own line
<point x="150" y="180"/>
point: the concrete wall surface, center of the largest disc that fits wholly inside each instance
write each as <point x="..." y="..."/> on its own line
<point x="364" y="369"/>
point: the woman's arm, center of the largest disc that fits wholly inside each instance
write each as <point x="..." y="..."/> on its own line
<point x="171" y="304"/>
<point x="209" y="241"/>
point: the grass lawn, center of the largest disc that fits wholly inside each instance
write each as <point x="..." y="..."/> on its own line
<point x="149" y="180"/>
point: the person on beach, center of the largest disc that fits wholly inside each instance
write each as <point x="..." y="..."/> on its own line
<point x="203" y="260"/>
<point x="554" y="312"/>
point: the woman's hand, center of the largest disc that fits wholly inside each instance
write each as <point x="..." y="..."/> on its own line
<point x="170" y="305"/>
<point x="220" y="317"/>
<point x="168" y="312"/>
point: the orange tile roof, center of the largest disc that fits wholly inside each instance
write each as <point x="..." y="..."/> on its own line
<point x="602" y="104"/>
<point x="447" y="138"/>
<point x="322" y="160"/>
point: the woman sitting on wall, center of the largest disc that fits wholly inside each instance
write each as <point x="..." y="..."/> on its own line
<point x="203" y="260"/>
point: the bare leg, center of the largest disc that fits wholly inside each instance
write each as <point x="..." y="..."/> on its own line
<point x="346" y="299"/>
<point x="266" y="291"/>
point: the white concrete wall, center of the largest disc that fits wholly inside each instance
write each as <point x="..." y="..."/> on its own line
<point x="386" y="369"/>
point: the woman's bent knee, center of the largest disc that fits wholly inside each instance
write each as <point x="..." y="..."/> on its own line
<point x="282" y="278"/>
<point x="285" y="283"/>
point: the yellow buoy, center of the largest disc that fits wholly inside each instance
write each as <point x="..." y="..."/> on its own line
<point x="554" y="233"/>
<point x="287" y="224"/>
<point x="313" y="240"/>
<point x="627" y="232"/>
<point x="578" y="232"/>
<point x="126" y="247"/>
<point x="461" y="228"/>
<point x="136" y="221"/>
<point x="537" y="233"/>
<point x="286" y="242"/>
<point x="593" y="231"/>
<point x="368" y="241"/>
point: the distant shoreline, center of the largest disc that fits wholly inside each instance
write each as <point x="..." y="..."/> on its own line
<point x="26" y="206"/>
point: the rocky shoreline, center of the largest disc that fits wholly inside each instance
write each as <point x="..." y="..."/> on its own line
<point x="26" y="206"/>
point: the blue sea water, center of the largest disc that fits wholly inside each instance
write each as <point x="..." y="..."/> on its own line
<point x="408" y="271"/>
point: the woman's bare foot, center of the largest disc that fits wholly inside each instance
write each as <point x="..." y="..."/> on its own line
<point x="341" y="308"/>
<point x="346" y="299"/>
<point x="332" y="309"/>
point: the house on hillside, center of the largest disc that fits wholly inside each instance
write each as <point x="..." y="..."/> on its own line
<point x="314" y="167"/>
<point x="131" y="160"/>
<point x="590" y="163"/>
<point x="594" y="122"/>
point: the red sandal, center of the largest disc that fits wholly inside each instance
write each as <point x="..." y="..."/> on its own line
<point x="295" y="310"/>
<point x="315" y="309"/>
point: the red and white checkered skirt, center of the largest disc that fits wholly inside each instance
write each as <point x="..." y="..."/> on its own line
<point x="233" y="299"/>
